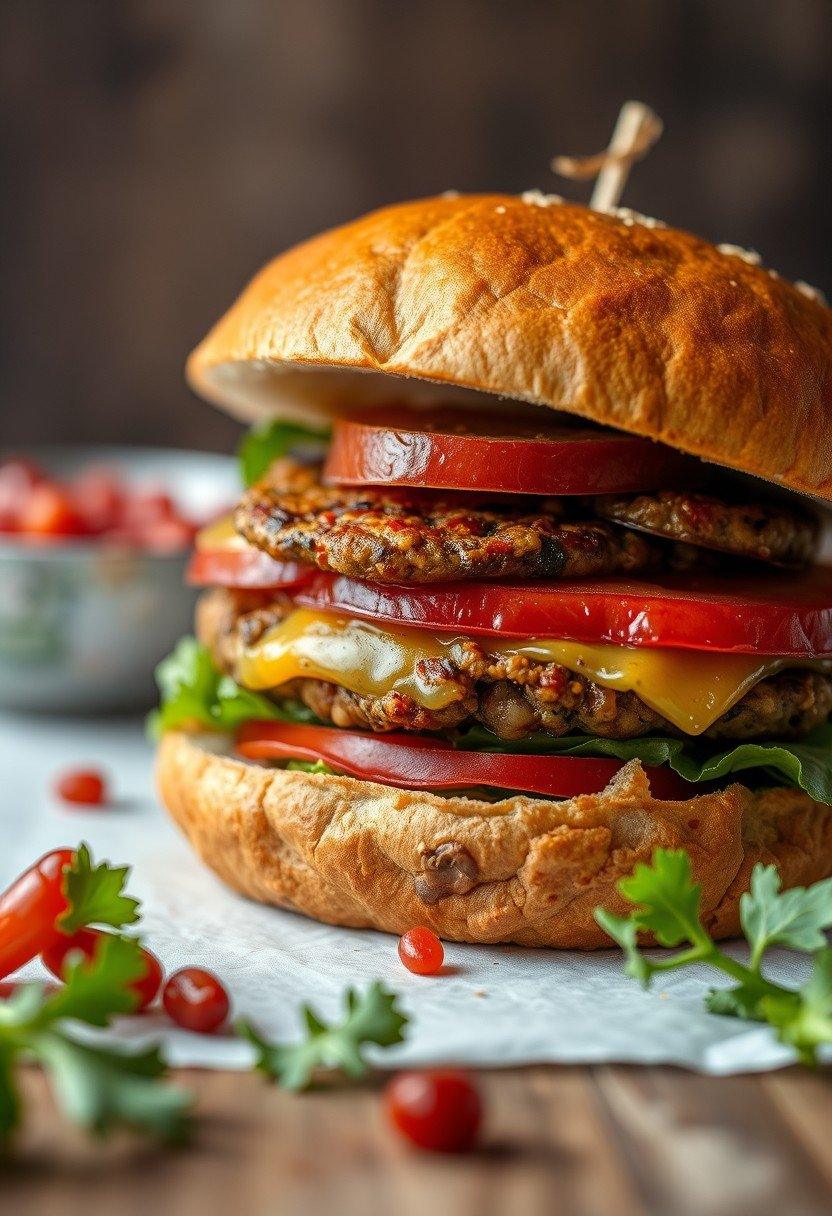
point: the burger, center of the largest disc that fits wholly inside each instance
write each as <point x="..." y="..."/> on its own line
<point x="525" y="581"/>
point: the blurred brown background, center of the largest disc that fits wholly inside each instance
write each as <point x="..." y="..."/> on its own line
<point x="155" y="152"/>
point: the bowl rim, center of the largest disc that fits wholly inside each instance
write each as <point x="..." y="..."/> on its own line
<point x="92" y="547"/>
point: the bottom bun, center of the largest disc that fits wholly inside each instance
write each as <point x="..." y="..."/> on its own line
<point x="522" y="870"/>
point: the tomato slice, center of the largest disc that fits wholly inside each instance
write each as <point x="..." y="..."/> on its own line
<point x="248" y="569"/>
<point x="419" y="762"/>
<point x="765" y="615"/>
<point x="461" y="450"/>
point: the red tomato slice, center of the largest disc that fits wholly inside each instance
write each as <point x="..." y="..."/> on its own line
<point x="765" y="615"/>
<point x="464" y="451"/>
<point x="249" y="569"/>
<point x="418" y="762"/>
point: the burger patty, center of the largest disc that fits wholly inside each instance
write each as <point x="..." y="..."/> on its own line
<point x="767" y="533"/>
<point x="396" y="536"/>
<point x="513" y="696"/>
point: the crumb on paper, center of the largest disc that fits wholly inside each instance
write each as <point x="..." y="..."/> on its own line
<point x="480" y="992"/>
<point x="664" y="996"/>
<point x="536" y="198"/>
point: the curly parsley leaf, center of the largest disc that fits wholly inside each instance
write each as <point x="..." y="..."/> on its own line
<point x="195" y="694"/>
<point x="95" y="894"/>
<point x="100" y="1087"/>
<point x="795" y="918"/>
<point x="667" y="905"/>
<point x="369" y="1018"/>
<point x="267" y="443"/>
<point x="98" y="988"/>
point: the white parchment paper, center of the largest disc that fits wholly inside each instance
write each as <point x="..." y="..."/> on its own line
<point x="494" y="1006"/>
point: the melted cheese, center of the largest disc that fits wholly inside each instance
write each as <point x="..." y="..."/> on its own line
<point x="220" y="537"/>
<point x="689" y="688"/>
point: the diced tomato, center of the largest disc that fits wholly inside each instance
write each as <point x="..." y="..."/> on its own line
<point x="196" y="1000"/>
<point x="99" y="498"/>
<point x="461" y="450"/>
<point x="18" y="477"/>
<point x="29" y="909"/>
<point x="49" y="512"/>
<point x="761" y="614"/>
<point x="421" y="951"/>
<point x="439" y="1110"/>
<point x="86" y="942"/>
<point x="419" y="762"/>
<point x="86" y="787"/>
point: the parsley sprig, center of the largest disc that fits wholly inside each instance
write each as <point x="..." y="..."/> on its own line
<point x="98" y="1087"/>
<point x="369" y="1017"/>
<point x="667" y="905"/>
<point x="95" y="894"/>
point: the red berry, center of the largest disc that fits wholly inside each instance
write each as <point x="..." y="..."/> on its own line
<point x="86" y="787"/>
<point x="86" y="941"/>
<point x="196" y="1000"/>
<point x="421" y="951"/>
<point x="440" y="1111"/>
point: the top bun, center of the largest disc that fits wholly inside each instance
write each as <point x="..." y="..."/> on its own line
<point x="610" y="317"/>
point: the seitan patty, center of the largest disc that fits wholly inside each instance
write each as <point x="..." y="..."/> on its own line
<point x="513" y="696"/>
<point x="766" y="533"/>
<point x="402" y="536"/>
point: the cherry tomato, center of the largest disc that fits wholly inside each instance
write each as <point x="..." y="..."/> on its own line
<point x="438" y="1110"/>
<point x="50" y="512"/>
<point x="420" y="762"/>
<point x="461" y="450"/>
<point x="29" y="909"/>
<point x="196" y="1000"/>
<point x="82" y="786"/>
<point x="760" y="614"/>
<point x="421" y="951"/>
<point x="86" y="941"/>
<point x="249" y="569"/>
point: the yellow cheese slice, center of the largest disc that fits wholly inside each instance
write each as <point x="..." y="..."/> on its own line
<point x="220" y="537"/>
<point x="689" y="688"/>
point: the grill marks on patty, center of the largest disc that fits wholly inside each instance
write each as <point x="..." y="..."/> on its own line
<point x="410" y="536"/>
<point x="401" y="537"/>
<point x="766" y="533"/>
<point x="512" y="695"/>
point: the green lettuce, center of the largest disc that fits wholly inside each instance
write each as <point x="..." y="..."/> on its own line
<point x="806" y="764"/>
<point x="266" y="443"/>
<point x="194" y="693"/>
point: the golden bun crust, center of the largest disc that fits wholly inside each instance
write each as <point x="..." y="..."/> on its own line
<point x="523" y="870"/>
<point x="647" y="329"/>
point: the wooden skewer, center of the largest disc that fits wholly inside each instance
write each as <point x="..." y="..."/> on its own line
<point x="636" y="130"/>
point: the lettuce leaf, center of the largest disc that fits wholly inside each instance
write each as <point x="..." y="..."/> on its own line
<point x="805" y="764"/>
<point x="195" y="694"/>
<point x="266" y="443"/>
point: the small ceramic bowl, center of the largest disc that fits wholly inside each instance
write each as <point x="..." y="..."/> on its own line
<point x="82" y="625"/>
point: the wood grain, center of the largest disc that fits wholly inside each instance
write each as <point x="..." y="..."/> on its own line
<point x="627" y="1141"/>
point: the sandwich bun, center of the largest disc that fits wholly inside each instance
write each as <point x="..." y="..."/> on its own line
<point x="608" y="317"/>
<point x="522" y="870"/>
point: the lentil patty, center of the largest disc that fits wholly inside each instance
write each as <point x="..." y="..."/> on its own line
<point x="767" y="533"/>
<point x="513" y="696"/>
<point x="406" y="537"/>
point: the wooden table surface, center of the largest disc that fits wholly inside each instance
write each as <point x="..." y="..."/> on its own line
<point x="607" y="1140"/>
